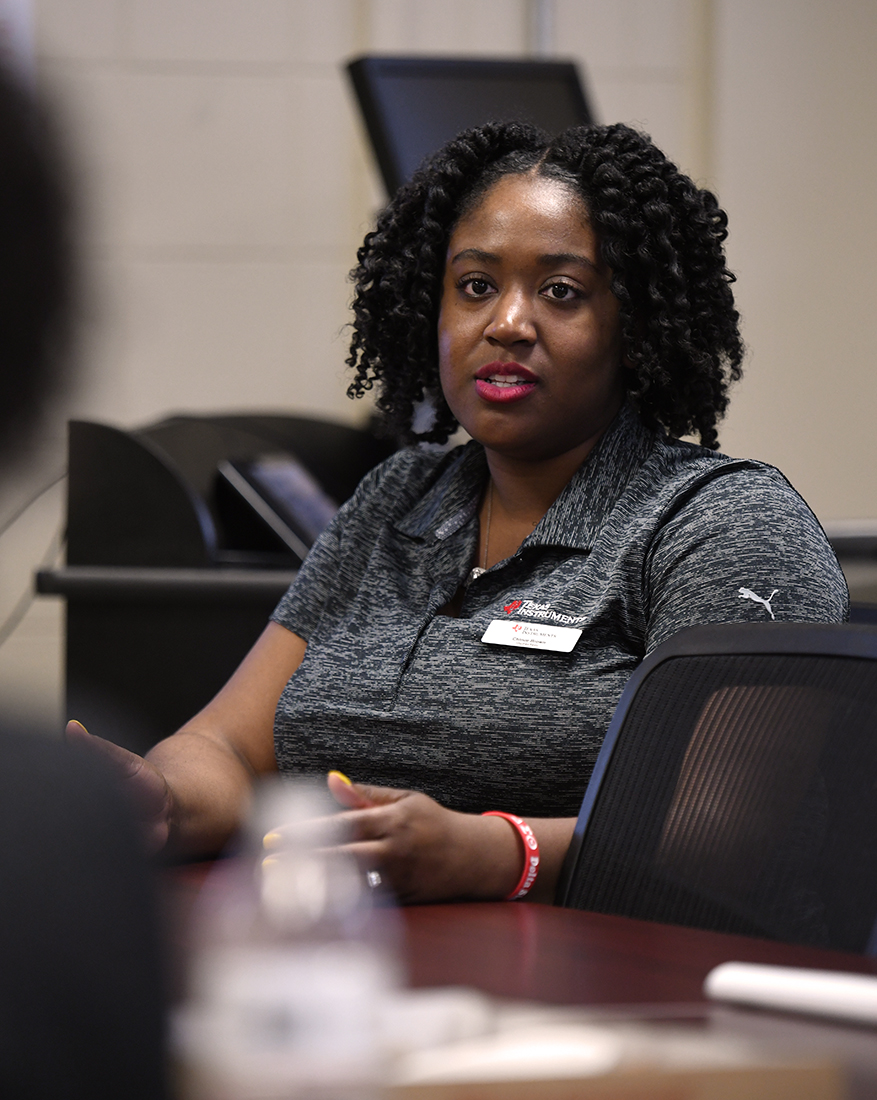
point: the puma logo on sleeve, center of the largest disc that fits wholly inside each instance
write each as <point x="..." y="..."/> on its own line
<point x="748" y="594"/>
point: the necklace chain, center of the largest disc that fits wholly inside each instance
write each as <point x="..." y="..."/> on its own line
<point x="479" y="569"/>
<point x="487" y="528"/>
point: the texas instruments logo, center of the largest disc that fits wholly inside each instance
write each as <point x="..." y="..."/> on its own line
<point x="535" y="610"/>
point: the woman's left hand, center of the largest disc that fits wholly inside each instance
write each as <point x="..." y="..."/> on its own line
<point x="427" y="852"/>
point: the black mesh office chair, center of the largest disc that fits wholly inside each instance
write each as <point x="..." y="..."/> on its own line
<point x="736" y="789"/>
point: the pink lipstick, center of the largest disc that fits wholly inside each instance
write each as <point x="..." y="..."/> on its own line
<point x="504" y="382"/>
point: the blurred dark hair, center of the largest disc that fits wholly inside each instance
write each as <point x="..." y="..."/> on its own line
<point x="35" y="263"/>
<point x="661" y="236"/>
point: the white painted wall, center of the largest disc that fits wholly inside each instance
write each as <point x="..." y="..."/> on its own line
<point x="227" y="184"/>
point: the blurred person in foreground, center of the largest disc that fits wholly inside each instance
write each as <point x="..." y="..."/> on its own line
<point x="81" y="1002"/>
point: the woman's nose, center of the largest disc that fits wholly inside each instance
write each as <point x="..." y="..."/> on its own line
<point x="511" y="321"/>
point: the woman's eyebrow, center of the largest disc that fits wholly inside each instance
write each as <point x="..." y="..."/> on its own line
<point x="476" y="254"/>
<point x="553" y="259"/>
<point x="548" y="259"/>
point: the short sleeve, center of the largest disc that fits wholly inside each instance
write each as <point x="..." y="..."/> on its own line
<point x="741" y="547"/>
<point x="302" y="605"/>
<point x="334" y="564"/>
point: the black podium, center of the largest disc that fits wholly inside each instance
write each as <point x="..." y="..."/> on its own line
<point x="170" y="574"/>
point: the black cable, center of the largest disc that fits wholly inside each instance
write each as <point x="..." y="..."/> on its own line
<point x="32" y="500"/>
<point x="22" y="606"/>
<point x="16" y="615"/>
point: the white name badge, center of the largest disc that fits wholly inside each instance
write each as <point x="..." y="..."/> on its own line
<point x="560" y="639"/>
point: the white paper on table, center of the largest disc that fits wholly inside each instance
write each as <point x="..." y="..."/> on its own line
<point x="794" y="989"/>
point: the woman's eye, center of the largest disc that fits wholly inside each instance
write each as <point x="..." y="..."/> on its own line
<point x="561" y="292"/>
<point x="476" y="287"/>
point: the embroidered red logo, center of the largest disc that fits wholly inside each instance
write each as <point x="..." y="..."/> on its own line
<point x="513" y="606"/>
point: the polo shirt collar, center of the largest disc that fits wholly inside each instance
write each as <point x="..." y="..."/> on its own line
<point x="453" y="499"/>
<point x="574" y="519"/>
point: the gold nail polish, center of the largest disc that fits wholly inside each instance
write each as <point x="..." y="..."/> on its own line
<point x="341" y="776"/>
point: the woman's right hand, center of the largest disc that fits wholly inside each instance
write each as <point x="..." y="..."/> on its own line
<point x="193" y="790"/>
<point x="147" y="788"/>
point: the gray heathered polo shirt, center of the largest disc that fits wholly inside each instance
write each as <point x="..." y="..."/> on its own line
<point x="649" y="536"/>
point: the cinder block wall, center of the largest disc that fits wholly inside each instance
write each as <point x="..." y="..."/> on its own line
<point x="229" y="184"/>
<point x="226" y="185"/>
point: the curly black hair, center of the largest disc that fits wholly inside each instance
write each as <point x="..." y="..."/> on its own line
<point x="36" y="263"/>
<point x="661" y="236"/>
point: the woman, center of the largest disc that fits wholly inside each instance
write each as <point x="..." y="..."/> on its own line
<point x="568" y="304"/>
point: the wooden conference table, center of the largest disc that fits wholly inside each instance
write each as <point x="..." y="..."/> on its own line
<point x="564" y="956"/>
<point x="617" y="967"/>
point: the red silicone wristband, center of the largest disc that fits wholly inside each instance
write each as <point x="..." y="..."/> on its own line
<point x="531" y="852"/>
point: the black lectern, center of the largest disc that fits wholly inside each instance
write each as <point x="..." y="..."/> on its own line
<point x="182" y="536"/>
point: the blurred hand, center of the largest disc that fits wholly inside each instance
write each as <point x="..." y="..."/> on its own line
<point x="424" y="851"/>
<point x="144" y="783"/>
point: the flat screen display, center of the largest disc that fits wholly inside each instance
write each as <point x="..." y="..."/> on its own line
<point x="413" y="105"/>
<point x="285" y="495"/>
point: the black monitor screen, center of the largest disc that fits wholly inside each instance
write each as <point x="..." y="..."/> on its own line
<point x="413" y="105"/>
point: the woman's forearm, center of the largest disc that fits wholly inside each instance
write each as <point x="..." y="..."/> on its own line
<point x="210" y="788"/>
<point x="210" y="764"/>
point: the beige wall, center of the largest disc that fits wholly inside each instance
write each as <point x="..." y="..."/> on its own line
<point x="796" y="164"/>
<point x="228" y="181"/>
<point x="227" y="184"/>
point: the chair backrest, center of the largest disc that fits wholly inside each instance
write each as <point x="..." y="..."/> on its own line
<point x="736" y="789"/>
